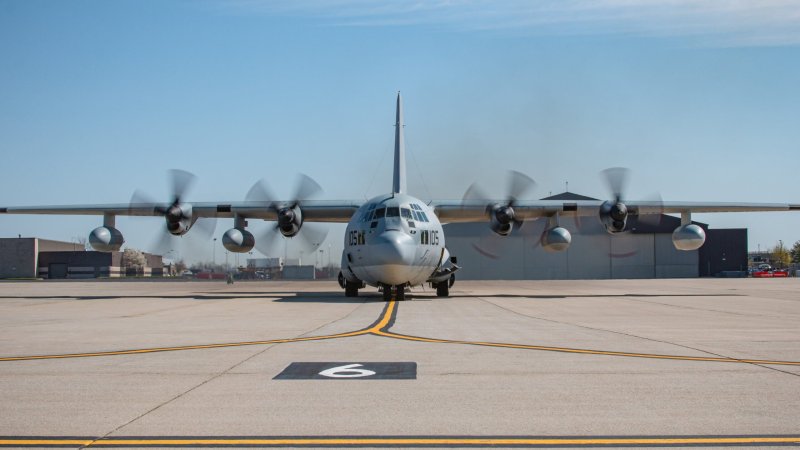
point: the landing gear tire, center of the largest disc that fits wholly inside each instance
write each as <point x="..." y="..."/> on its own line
<point x="350" y="289"/>
<point x="401" y="293"/>
<point x="387" y="293"/>
<point x="443" y="289"/>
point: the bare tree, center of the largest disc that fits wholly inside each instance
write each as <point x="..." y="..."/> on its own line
<point x="180" y="266"/>
<point x="132" y="258"/>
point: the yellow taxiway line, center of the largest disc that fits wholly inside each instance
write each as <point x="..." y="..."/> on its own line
<point x="587" y="351"/>
<point x="381" y="328"/>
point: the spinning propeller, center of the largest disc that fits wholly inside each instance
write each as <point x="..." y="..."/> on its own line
<point x="177" y="214"/>
<point x="289" y="222"/>
<point x="615" y="213"/>
<point x="503" y="218"/>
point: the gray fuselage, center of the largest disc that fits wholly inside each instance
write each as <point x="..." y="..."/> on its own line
<point x="393" y="239"/>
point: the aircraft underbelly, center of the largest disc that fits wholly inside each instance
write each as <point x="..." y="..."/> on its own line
<point x="393" y="274"/>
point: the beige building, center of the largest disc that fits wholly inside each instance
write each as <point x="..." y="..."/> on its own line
<point x="42" y="258"/>
<point x="19" y="257"/>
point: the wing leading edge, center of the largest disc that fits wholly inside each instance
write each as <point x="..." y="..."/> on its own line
<point x="313" y="211"/>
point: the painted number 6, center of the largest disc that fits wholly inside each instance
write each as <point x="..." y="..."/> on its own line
<point x="348" y="371"/>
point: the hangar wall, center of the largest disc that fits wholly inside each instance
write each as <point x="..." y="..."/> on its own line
<point x="594" y="254"/>
<point x="19" y="257"/>
<point x="43" y="258"/>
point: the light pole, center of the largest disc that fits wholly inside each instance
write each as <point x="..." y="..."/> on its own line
<point x="214" y="252"/>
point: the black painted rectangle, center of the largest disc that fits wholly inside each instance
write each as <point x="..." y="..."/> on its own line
<point x="349" y="371"/>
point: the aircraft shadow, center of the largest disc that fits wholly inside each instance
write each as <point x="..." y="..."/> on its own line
<point x="310" y="297"/>
<point x="554" y="296"/>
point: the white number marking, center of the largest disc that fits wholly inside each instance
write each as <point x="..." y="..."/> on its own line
<point x="348" y="371"/>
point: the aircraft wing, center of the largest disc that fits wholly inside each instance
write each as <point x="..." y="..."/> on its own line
<point x="451" y="212"/>
<point x="313" y="211"/>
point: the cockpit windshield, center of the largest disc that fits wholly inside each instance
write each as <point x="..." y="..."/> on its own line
<point x="413" y="214"/>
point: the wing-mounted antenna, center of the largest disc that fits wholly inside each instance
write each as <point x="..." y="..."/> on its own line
<point x="399" y="183"/>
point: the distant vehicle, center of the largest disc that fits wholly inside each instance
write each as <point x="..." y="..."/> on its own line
<point x="767" y="271"/>
<point x="187" y="273"/>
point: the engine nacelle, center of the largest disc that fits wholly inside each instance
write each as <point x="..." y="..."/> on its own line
<point x="501" y="219"/>
<point x="106" y="239"/>
<point x="556" y="239"/>
<point x="688" y="237"/>
<point x="289" y="221"/>
<point x="614" y="215"/>
<point x="238" y="240"/>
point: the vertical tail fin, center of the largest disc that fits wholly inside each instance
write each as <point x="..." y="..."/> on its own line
<point x="399" y="182"/>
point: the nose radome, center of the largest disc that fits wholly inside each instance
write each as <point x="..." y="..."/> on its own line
<point x="394" y="248"/>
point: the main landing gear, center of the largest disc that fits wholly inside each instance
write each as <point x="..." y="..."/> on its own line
<point x="350" y="288"/>
<point x="443" y="287"/>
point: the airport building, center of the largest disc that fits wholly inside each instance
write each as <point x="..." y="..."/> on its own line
<point x="43" y="258"/>
<point x="646" y="251"/>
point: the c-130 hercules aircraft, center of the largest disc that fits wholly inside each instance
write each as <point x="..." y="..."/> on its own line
<point x="393" y="241"/>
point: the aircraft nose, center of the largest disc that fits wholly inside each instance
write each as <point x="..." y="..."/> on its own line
<point x="394" y="248"/>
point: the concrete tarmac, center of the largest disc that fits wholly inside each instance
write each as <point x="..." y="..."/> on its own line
<point x="700" y="362"/>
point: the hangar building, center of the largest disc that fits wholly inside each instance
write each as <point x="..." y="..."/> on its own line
<point x="644" y="252"/>
<point x="43" y="258"/>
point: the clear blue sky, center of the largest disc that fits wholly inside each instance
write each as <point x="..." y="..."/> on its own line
<point x="700" y="99"/>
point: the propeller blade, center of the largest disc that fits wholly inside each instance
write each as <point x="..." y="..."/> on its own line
<point x="313" y="235"/>
<point x="475" y="193"/>
<point x="616" y="179"/>
<point x="181" y="182"/>
<point x="519" y="184"/>
<point x="265" y="241"/>
<point x="163" y="243"/>
<point x="305" y="188"/>
<point x="260" y="193"/>
<point x="650" y="211"/>
<point x="140" y="199"/>
<point x="203" y="228"/>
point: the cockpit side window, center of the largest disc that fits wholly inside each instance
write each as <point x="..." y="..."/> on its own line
<point x="367" y="214"/>
<point x="379" y="213"/>
<point x="406" y="213"/>
<point x="393" y="211"/>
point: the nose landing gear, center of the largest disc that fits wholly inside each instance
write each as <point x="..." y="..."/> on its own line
<point x="394" y="292"/>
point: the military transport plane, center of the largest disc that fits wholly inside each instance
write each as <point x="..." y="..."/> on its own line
<point x="395" y="241"/>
